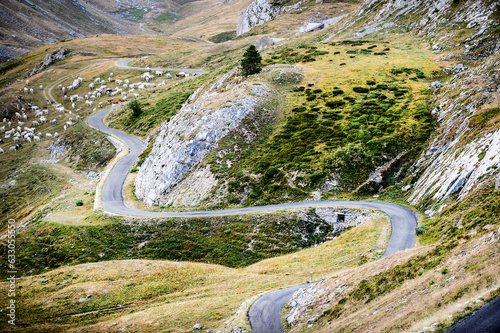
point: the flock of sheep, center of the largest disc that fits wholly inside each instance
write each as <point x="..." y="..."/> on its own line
<point x="23" y="126"/>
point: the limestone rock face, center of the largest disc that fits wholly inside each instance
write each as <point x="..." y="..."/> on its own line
<point x="183" y="142"/>
<point x="259" y="12"/>
<point x="424" y="17"/>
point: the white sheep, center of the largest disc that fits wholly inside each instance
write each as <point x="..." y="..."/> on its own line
<point x="26" y="90"/>
<point x="111" y="74"/>
<point x="1" y="151"/>
<point x="48" y="135"/>
<point x="31" y="90"/>
<point x="53" y="121"/>
<point x="28" y="139"/>
<point x="35" y="123"/>
<point x="41" y="87"/>
<point x="137" y="95"/>
<point x="36" y="138"/>
<point x="65" y="127"/>
<point x="73" y="105"/>
<point x="56" y="135"/>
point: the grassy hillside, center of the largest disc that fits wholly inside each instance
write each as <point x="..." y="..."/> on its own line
<point x="152" y="295"/>
<point x="354" y="126"/>
<point x="335" y="127"/>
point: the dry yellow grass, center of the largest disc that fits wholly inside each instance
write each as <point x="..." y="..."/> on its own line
<point x="468" y="273"/>
<point x="172" y="296"/>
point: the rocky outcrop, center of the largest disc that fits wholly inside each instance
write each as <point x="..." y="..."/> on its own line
<point x="183" y="142"/>
<point x="427" y="18"/>
<point x="266" y="41"/>
<point x="258" y="13"/>
<point x="459" y="158"/>
<point x="49" y="59"/>
<point x="314" y="24"/>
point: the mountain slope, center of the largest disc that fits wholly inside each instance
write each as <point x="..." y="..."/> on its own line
<point x="26" y="25"/>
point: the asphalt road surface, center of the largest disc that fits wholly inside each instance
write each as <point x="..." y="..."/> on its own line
<point x="265" y="314"/>
<point x="484" y="320"/>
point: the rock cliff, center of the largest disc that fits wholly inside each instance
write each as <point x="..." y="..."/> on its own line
<point x="461" y="156"/>
<point x="182" y="143"/>
<point x="259" y="12"/>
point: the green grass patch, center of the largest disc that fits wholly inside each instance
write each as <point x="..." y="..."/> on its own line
<point x="165" y="17"/>
<point x="231" y="241"/>
<point x="223" y="36"/>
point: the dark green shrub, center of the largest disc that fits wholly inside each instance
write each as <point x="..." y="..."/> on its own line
<point x="79" y="202"/>
<point x="371" y="82"/>
<point x="251" y="62"/>
<point x="337" y="92"/>
<point x="335" y="103"/>
<point x="136" y="107"/>
<point x="360" y="90"/>
<point x="421" y="230"/>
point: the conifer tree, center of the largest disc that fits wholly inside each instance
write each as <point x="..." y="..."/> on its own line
<point x="251" y="62"/>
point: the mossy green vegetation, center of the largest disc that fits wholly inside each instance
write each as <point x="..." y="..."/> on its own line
<point x="166" y="17"/>
<point x="334" y="128"/>
<point x="223" y="36"/>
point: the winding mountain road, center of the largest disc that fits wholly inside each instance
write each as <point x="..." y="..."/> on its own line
<point x="265" y="313"/>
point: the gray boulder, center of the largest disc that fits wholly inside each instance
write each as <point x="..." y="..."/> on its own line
<point x="436" y="85"/>
<point x="258" y="13"/>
